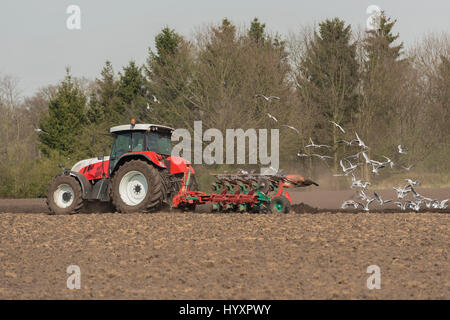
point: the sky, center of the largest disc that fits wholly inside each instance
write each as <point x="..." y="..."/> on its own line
<point x="36" y="46"/>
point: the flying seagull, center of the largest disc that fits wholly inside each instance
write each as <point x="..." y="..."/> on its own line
<point x="412" y="183"/>
<point x="401" y="150"/>
<point x="442" y="205"/>
<point x="381" y="201"/>
<point x="365" y="207"/>
<point x="402" y="192"/>
<point x="353" y="156"/>
<point x="350" y="169"/>
<point x="267" y="98"/>
<point x="359" y="183"/>
<point x="401" y="205"/>
<point x="349" y="203"/>
<point x="312" y="144"/>
<point x="349" y="143"/>
<point x="408" y="168"/>
<point x="40" y="131"/>
<point x="360" y="142"/>
<point x="155" y="99"/>
<point x="321" y="157"/>
<point x="272" y="117"/>
<point x="292" y="128"/>
<point x="389" y="161"/>
<point x="338" y="126"/>
<point x="366" y="157"/>
<point x="300" y="154"/>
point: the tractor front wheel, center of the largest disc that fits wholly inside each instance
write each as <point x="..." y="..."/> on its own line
<point x="64" y="195"/>
<point x="136" y="187"/>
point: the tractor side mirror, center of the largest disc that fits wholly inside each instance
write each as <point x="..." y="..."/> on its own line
<point x="102" y="157"/>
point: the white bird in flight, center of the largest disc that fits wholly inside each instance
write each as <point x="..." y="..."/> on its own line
<point x="401" y="150"/>
<point x="292" y="128"/>
<point x="155" y="99"/>
<point x="402" y="192"/>
<point x="401" y="205"/>
<point x="349" y="143"/>
<point x="259" y="95"/>
<point x="412" y="183"/>
<point x="380" y="201"/>
<point x="360" y="142"/>
<point x="349" y="203"/>
<point x="321" y="157"/>
<point x="312" y="144"/>
<point x="338" y="126"/>
<point x="300" y="154"/>
<point x="389" y="161"/>
<point x="38" y="130"/>
<point x="350" y="169"/>
<point x="272" y="117"/>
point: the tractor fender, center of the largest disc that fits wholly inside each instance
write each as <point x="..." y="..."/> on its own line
<point x="148" y="156"/>
<point x="86" y="186"/>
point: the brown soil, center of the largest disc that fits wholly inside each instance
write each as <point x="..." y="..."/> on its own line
<point x="222" y="256"/>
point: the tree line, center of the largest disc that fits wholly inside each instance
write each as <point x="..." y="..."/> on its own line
<point x="366" y="81"/>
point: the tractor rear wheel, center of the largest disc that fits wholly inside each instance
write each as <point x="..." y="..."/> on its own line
<point x="280" y="204"/>
<point x="64" y="195"/>
<point x="136" y="187"/>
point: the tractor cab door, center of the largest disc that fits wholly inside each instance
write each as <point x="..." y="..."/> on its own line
<point x="121" y="145"/>
<point x="126" y="142"/>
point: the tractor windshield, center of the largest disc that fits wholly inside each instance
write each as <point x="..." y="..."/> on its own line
<point x="159" y="142"/>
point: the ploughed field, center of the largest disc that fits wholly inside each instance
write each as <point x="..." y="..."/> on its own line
<point x="322" y="255"/>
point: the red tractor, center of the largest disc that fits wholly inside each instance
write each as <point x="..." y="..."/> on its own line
<point x="139" y="175"/>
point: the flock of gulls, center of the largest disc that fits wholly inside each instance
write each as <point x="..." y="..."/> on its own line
<point x="407" y="197"/>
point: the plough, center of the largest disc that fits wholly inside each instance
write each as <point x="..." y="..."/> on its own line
<point x="242" y="192"/>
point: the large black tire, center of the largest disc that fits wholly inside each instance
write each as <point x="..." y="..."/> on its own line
<point x="280" y="204"/>
<point x="150" y="201"/>
<point x="64" y="195"/>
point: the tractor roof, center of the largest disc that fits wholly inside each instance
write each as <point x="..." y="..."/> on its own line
<point x="138" y="127"/>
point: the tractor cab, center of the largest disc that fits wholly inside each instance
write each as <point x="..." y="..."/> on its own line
<point x="140" y="138"/>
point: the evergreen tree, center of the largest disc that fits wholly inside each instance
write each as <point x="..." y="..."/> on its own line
<point x="169" y="75"/>
<point x="379" y="43"/>
<point x="257" y="31"/>
<point x="329" y="77"/>
<point x="131" y="96"/>
<point x="101" y="99"/>
<point x="166" y="43"/>
<point x="65" y="118"/>
<point x="107" y="85"/>
<point x="383" y="77"/>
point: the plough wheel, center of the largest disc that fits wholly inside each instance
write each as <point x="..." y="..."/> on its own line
<point x="280" y="204"/>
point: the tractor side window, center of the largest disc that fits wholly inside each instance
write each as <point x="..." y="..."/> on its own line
<point x="121" y="145"/>
<point x="137" y="141"/>
<point x="159" y="143"/>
